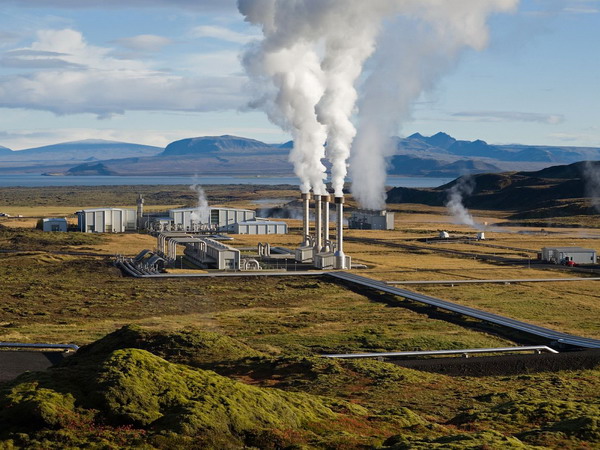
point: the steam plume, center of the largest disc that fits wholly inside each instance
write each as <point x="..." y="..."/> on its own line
<point x="202" y="213"/>
<point x="286" y="74"/>
<point x="414" y="52"/>
<point x="591" y="176"/>
<point x="463" y="187"/>
<point x="305" y="69"/>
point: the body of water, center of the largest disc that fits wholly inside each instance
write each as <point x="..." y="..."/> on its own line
<point x="39" y="180"/>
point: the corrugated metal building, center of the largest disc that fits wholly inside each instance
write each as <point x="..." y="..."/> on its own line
<point x="54" y="224"/>
<point x="213" y="253"/>
<point x="260" y="227"/>
<point x="106" y="220"/>
<point x="371" y="220"/>
<point x="578" y="255"/>
<point x="223" y="219"/>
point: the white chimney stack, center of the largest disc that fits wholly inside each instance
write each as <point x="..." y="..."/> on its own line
<point x="325" y="203"/>
<point x="318" y="224"/>
<point x="339" y="253"/>
<point x="140" y="211"/>
<point x="306" y="219"/>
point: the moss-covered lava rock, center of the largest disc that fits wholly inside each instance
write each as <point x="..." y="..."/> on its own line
<point x="131" y="387"/>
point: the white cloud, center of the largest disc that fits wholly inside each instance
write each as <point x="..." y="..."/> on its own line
<point x="582" y="7"/>
<point x="94" y="82"/>
<point x="145" y="42"/>
<point x="7" y="38"/>
<point x="508" y="116"/>
<point x="591" y="139"/>
<point x="582" y="10"/>
<point x="35" y="59"/>
<point x="221" y="33"/>
<point x="198" y="5"/>
<point x="213" y="64"/>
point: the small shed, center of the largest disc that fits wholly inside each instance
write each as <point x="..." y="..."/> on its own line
<point x="560" y="255"/>
<point x="54" y="224"/>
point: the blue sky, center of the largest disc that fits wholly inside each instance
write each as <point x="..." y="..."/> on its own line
<point x="154" y="71"/>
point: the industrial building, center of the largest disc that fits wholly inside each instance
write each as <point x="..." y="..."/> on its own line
<point x="366" y="219"/>
<point x="106" y="220"/>
<point x="562" y="255"/>
<point x="260" y="227"/>
<point x="54" y="224"/>
<point x="203" y="251"/>
<point x="220" y="219"/>
<point x="214" y="254"/>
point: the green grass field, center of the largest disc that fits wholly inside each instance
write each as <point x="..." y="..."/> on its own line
<point x="204" y="363"/>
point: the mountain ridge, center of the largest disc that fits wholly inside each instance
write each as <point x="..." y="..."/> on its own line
<point x="439" y="155"/>
<point x="555" y="191"/>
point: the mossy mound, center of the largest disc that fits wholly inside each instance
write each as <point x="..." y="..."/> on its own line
<point x="520" y="412"/>
<point x="474" y="441"/>
<point x="320" y="375"/>
<point x="547" y="421"/>
<point x="134" y="388"/>
<point x="26" y="239"/>
<point x="192" y="346"/>
<point x="384" y="372"/>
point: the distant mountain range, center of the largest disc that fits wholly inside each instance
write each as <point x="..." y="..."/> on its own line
<point x="439" y="155"/>
<point x="552" y="192"/>
<point x="61" y="157"/>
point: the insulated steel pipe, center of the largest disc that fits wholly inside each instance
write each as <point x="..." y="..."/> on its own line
<point x="325" y="204"/>
<point x="339" y="253"/>
<point x="306" y="219"/>
<point x="318" y="224"/>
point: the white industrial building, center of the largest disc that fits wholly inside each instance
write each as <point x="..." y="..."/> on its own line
<point x="54" y="224"/>
<point x="578" y="255"/>
<point x="371" y="220"/>
<point x="106" y="220"/>
<point x="223" y="219"/>
<point x="210" y="253"/>
<point x="260" y="227"/>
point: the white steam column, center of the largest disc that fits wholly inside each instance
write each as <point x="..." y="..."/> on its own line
<point x="306" y="219"/>
<point x="325" y="225"/>
<point x="340" y="258"/>
<point x="318" y="224"/>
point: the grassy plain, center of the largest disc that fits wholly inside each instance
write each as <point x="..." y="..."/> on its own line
<point x="52" y="292"/>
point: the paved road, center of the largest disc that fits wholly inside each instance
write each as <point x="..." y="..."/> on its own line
<point x="552" y="335"/>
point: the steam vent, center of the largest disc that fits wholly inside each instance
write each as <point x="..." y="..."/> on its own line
<point x="317" y="247"/>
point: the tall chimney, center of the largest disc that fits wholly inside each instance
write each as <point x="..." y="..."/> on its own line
<point x="340" y="257"/>
<point x="140" y="211"/>
<point x="318" y="224"/>
<point x="305" y="218"/>
<point x="325" y="201"/>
